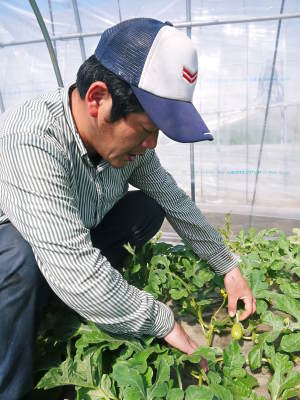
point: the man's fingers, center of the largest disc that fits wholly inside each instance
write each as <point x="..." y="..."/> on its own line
<point x="204" y="364"/>
<point x="232" y="302"/>
<point x="248" y="301"/>
<point x="253" y="306"/>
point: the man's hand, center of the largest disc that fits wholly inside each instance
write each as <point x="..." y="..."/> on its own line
<point x="238" y="289"/>
<point x="179" y="339"/>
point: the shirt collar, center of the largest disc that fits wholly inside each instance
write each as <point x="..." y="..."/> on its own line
<point x="70" y="121"/>
<point x="83" y="152"/>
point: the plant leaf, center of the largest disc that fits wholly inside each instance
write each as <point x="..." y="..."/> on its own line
<point x="198" y="393"/>
<point x="126" y="376"/>
<point x="290" y="343"/>
<point x="175" y="394"/>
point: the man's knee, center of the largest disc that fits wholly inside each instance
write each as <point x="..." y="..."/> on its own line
<point x="147" y="205"/>
<point x="17" y="262"/>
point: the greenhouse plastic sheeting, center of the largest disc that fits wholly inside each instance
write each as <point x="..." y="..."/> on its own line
<point x="235" y="67"/>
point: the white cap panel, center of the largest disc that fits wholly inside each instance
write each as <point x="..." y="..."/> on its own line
<point x="171" y="66"/>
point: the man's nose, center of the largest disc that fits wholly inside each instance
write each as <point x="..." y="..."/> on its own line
<point x="151" y="140"/>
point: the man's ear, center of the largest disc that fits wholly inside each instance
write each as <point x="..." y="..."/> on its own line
<point x="96" y="94"/>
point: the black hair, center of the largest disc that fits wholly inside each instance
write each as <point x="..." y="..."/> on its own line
<point x="124" y="100"/>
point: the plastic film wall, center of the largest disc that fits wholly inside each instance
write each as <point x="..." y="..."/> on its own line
<point x="248" y="89"/>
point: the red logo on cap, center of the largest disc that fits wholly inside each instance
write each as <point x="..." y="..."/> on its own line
<point x="188" y="76"/>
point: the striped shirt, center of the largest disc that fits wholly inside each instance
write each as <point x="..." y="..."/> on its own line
<point x="53" y="194"/>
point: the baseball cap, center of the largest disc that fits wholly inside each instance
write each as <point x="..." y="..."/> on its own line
<point x="159" y="62"/>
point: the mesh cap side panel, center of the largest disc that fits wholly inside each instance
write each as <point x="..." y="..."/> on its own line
<point x="123" y="49"/>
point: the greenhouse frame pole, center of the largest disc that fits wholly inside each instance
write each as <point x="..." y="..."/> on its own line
<point x="48" y="41"/>
<point x="52" y="26"/>
<point x="79" y="29"/>
<point x="266" y="115"/>
<point x="2" y="108"/>
<point x="119" y="8"/>
<point x="192" y="153"/>
<point x="176" y="25"/>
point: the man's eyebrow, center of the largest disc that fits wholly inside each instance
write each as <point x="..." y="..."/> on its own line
<point x="151" y="130"/>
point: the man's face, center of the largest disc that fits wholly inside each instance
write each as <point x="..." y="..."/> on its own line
<point x="121" y="141"/>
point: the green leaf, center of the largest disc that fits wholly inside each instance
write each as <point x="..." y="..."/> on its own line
<point x="106" y="386"/>
<point x="148" y="376"/>
<point x="132" y="393"/>
<point x="290" y="343"/>
<point x="163" y="260"/>
<point x="233" y="357"/>
<point x="255" y="357"/>
<point x="63" y="375"/>
<point x="198" y="393"/>
<point x="221" y="392"/>
<point x="126" y="376"/>
<point x="257" y="283"/>
<point x="291" y="289"/>
<point x="290" y="393"/>
<point x="214" y="377"/>
<point x="139" y="360"/>
<point x="175" y="394"/>
<point x="283" y="244"/>
<point x="269" y="350"/>
<point x="261" y="306"/>
<point x="209" y="353"/>
<point x="284" y="303"/>
<point x="136" y="268"/>
<point x="94" y="394"/>
<point x="255" y="397"/>
<point x="177" y="294"/>
<point x="202" y="277"/>
<point x="237" y="387"/>
<point x="276" y="321"/>
<point x="153" y="283"/>
<point x="296" y="271"/>
<point x="282" y="378"/>
<point x="160" y="388"/>
<point x="291" y="381"/>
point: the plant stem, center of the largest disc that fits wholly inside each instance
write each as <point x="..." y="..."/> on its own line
<point x="210" y="334"/>
<point x="178" y="376"/>
<point x="179" y="279"/>
<point x="199" y="315"/>
<point x="221" y="306"/>
<point x="200" y="380"/>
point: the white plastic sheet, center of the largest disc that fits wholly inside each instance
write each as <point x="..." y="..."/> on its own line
<point x="235" y="63"/>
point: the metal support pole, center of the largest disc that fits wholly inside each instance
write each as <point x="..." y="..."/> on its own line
<point x="247" y="110"/>
<point x="79" y="29"/>
<point x="2" y="108"/>
<point x="119" y="8"/>
<point x="235" y="20"/>
<point x="266" y="115"/>
<point x="192" y="153"/>
<point x="47" y="40"/>
<point x="52" y="26"/>
<point x="176" y="24"/>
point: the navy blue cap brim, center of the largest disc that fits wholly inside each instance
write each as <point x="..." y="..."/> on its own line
<point x="177" y="119"/>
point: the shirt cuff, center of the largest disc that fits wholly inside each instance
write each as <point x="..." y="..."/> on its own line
<point x="163" y="321"/>
<point x="224" y="261"/>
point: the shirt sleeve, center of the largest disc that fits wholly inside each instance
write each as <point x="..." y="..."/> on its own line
<point x="37" y="197"/>
<point x="182" y="213"/>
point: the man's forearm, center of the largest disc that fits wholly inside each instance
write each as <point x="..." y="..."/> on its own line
<point x="179" y="339"/>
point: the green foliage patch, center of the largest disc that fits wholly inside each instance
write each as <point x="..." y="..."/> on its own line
<point x="72" y="351"/>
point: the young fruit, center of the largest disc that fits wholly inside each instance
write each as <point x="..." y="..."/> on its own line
<point x="237" y="331"/>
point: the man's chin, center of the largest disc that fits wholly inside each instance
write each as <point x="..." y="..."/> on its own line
<point x="118" y="163"/>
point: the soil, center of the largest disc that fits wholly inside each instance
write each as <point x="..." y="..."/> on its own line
<point x="195" y="332"/>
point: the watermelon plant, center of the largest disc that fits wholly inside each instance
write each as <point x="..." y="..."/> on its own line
<point x="99" y="365"/>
